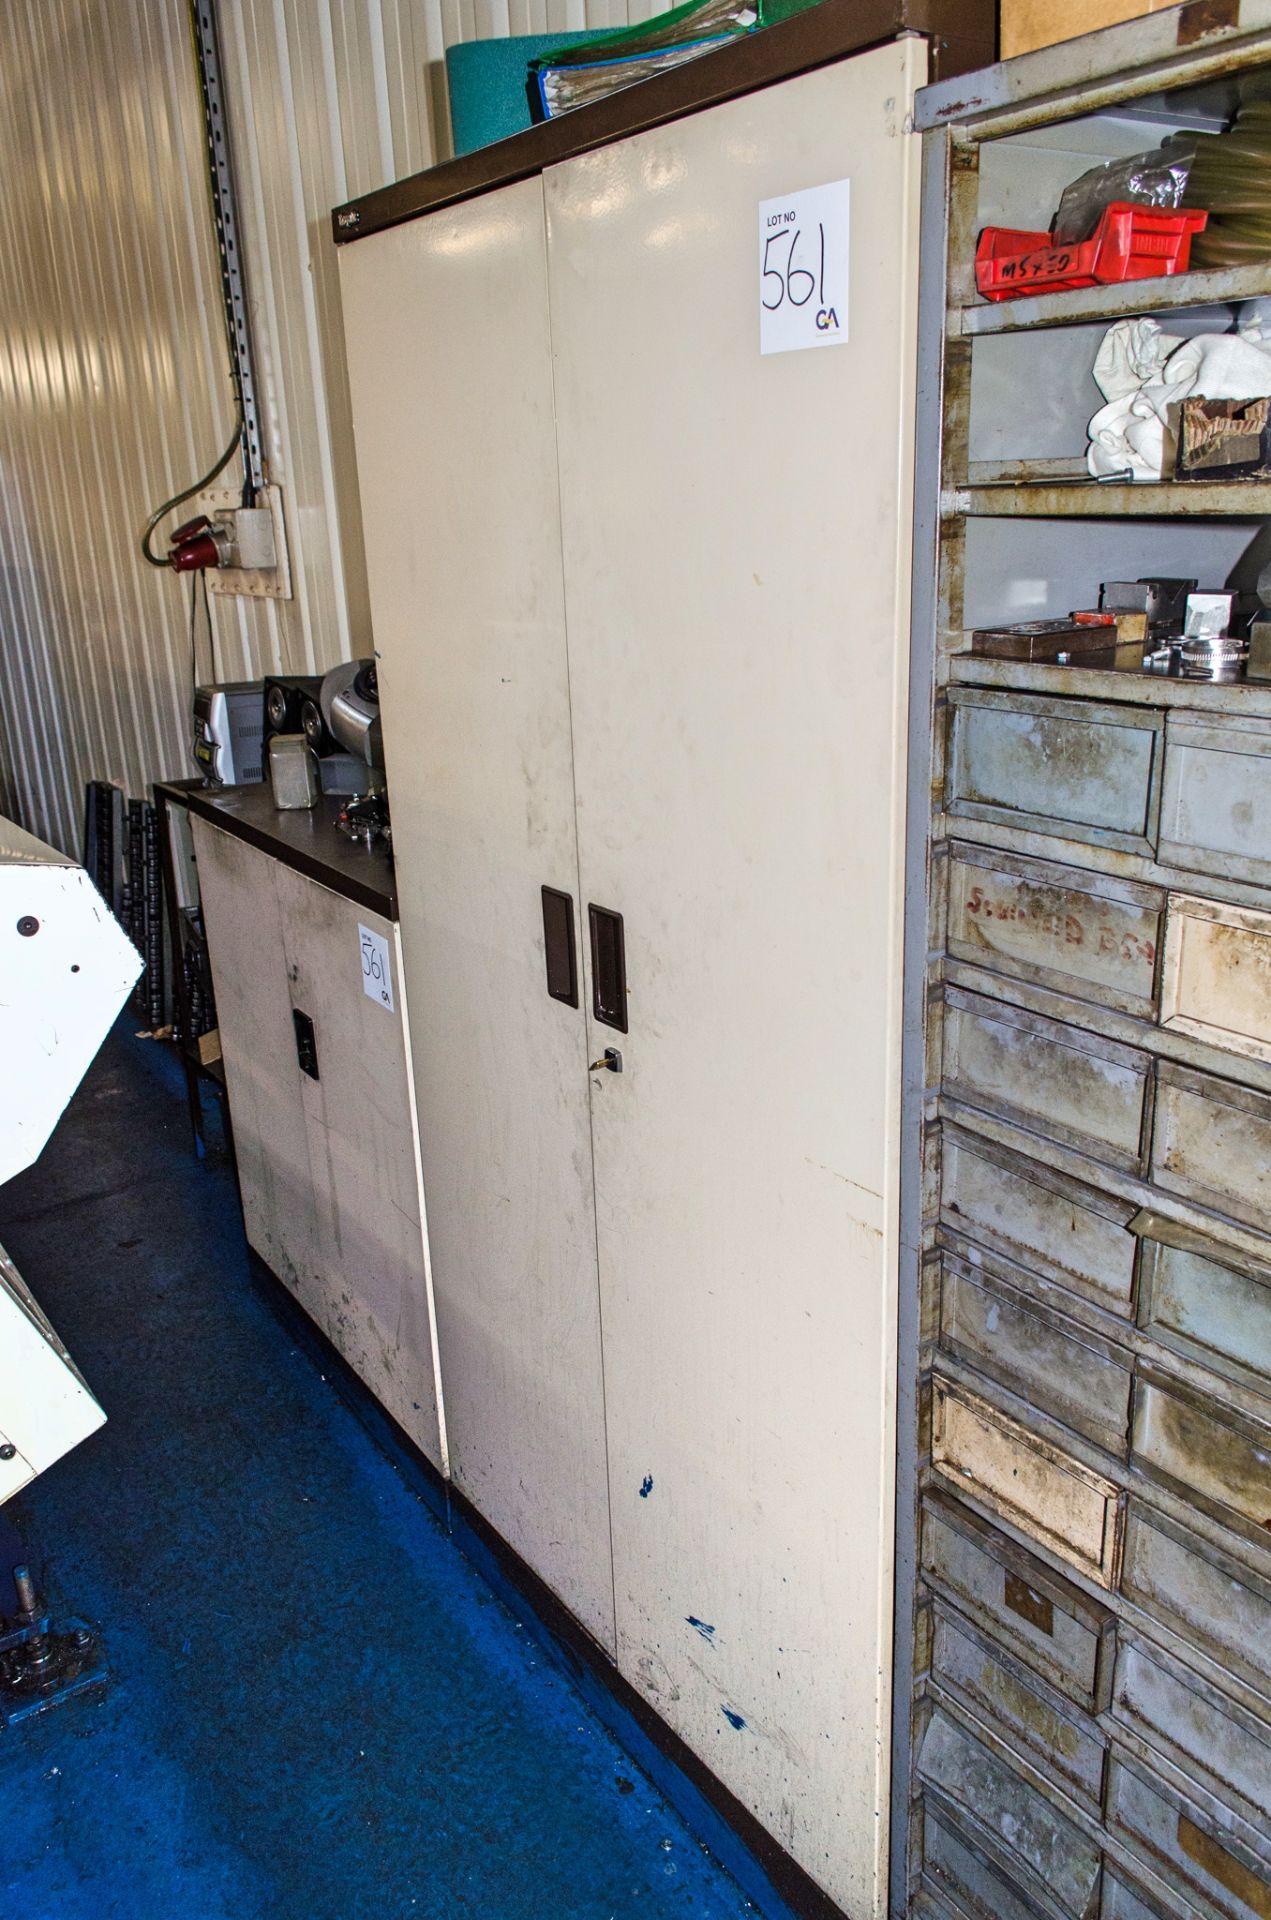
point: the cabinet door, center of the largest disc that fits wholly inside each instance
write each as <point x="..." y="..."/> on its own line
<point x="373" y="1298"/>
<point x="276" y="1176"/>
<point x="450" y="367"/>
<point x="736" y="533"/>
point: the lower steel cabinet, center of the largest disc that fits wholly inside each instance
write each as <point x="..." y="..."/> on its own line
<point x="323" y="1120"/>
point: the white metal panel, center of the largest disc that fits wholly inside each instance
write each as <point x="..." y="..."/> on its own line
<point x="452" y="385"/>
<point x="65" y="970"/>
<point x="45" y="1407"/>
<point x="736" y="537"/>
<point x="372" y="1299"/>
<point x="277" y="1179"/>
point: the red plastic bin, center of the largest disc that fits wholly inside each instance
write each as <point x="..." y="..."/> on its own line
<point x="1129" y="243"/>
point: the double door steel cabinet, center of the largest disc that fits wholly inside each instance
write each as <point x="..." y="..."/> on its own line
<point x="640" y="603"/>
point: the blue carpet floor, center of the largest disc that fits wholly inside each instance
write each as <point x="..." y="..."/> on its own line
<point x="319" y="1710"/>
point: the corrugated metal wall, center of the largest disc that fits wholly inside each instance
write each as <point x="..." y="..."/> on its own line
<point x="114" y="389"/>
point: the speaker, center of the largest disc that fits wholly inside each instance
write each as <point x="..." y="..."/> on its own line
<point x="292" y="705"/>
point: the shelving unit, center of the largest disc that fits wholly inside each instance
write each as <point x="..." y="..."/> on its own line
<point x="977" y="319"/>
<point x="1103" y="500"/>
<point x="1088" y="1348"/>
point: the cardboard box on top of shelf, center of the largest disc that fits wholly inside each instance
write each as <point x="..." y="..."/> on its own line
<point x="1027" y="24"/>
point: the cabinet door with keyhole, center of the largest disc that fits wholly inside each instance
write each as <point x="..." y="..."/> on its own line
<point x="736" y="528"/>
<point x="446" y="320"/>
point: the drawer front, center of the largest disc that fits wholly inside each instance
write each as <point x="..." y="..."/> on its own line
<point x="1121" y="1901"/>
<point x="1181" y="1583"/>
<point x="1216" y="974"/>
<point x="958" y="1868"/>
<point x="1216" y="806"/>
<point x="1205" y="1308"/>
<point x="1036" y="1358"/>
<point x="1212" y="1143"/>
<point x="1224" y="1463"/>
<point x="1027" y="1718"/>
<point x="1074" y="932"/>
<point x="1018" y="1601"/>
<point x="1033" y="1485"/>
<point x="1068" y="768"/>
<point x="1174" y="1711"/>
<point x="1048" y="1852"/>
<point x="1222" y="1871"/>
<point x="1055" y="1079"/>
<point x="1059" y="1229"/>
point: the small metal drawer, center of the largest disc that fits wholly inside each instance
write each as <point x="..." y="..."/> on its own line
<point x="1207" y="1301"/>
<point x="1216" y="974"/>
<point x="1058" y="1629"/>
<point x="1071" y="769"/>
<point x="959" y="1869"/>
<point x="1213" y="1871"/>
<point x="1051" y="1858"/>
<point x="1035" y="1486"/>
<point x="1076" y="932"/>
<point x="1210" y="1737"/>
<point x="1208" y="1599"/>
<point x="1216" y="805"/>
<point x="1122" y="1901"/>
<point x="1058" y="1228"/>
<point x="1022" y="1709"/>
<point x="1073" y="1086"/>
<point x="1035" y="1355"/>
<point x="1221" y="1460"/>
<point x="1211" y="1142"/>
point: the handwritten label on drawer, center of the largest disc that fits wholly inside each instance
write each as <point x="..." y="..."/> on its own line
<point x="1077" y="933"/>
<point x="1035" y="1486"/>
<point x="1216" y="981"/>
<point x="1054" y="1226"/>
<point x="1057" y="1080"/>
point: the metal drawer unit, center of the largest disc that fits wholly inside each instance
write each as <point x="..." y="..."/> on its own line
<point x="1085" y="1525"/>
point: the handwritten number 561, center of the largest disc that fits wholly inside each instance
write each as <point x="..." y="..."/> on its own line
<point x="789" y="281"/>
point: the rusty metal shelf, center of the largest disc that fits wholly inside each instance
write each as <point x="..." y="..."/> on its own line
<point x="1103" y="683"/>
<point x="1096" y="500"/>
<point x="1218" y="287"/>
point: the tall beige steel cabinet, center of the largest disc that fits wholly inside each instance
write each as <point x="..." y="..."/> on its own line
<point x="634" y="438"/>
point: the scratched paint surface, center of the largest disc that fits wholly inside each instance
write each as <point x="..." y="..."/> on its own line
<point x="319" y="1707"/>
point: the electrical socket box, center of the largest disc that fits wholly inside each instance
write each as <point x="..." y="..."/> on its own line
<point x="260" y="536"/>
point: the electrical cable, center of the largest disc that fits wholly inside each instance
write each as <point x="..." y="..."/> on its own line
<point x="240" y="421"/>
<point x="147" y="552"/>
